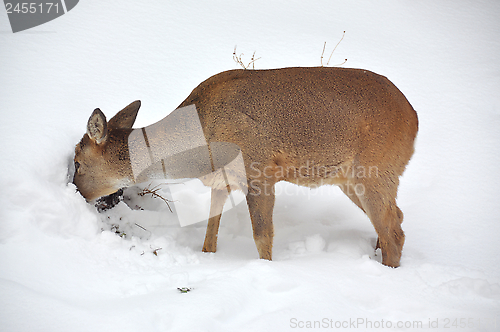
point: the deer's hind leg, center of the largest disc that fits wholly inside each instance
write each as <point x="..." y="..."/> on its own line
<point x="378" y="200"/>
<point x="261" y="205"/>
<point x="350" y="191"/>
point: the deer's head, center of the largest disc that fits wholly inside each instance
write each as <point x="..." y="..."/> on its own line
<point x="102" y="161"/>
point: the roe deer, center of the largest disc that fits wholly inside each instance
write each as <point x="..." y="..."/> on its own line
<point x="310" y="126"/>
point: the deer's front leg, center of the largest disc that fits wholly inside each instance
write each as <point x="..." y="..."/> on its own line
<point x="218" y="199"/>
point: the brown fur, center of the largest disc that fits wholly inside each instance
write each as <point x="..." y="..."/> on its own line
<point x="310" y="126"/>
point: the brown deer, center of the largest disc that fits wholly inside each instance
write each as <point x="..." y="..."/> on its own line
<point x="310" y="126"/>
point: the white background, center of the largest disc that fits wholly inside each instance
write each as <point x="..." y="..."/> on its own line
<point x="62" y="268"/>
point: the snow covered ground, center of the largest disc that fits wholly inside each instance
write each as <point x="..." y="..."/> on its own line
<point x="63" y="267"/>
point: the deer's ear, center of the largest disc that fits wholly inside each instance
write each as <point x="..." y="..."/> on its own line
<point x="97" y="127"/>
<point x="126" y="117"/>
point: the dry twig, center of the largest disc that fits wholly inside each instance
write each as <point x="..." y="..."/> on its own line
<point x="238" y="60"/>
<point x="322" y="53"/>
<point x="154" y="193"/>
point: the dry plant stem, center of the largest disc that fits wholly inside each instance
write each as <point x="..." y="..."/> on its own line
<point x="331" y="54"/>
<point x="154" y="193"/>
<point x="238" y="60"/>
<point x="322" y="53"/>
<point x="340" y="64"/>
<point x="252" y="60"/>
<point x="343" y="35"/>
<point x="143" y="228"/>
<point x="155" y="252"/>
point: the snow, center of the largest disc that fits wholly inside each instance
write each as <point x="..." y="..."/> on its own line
<point x="63" y="267"/>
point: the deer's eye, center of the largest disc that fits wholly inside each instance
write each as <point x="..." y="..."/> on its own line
<point x="77" y="166"/>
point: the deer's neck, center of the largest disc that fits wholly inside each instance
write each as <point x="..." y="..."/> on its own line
<point x="172" y="148"/>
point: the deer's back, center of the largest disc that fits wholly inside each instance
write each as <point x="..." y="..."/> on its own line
<point x="324" y="115"/>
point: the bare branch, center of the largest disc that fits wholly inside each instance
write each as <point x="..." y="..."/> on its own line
<point x="154" y="193"/>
